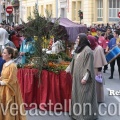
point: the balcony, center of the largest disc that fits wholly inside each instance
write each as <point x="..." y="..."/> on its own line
<point x="15" y="3"/>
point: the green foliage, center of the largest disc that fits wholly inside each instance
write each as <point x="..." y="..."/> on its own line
<point x="55" y="57"/>
<point x="55" y="69"/>
<point x="41" y="28"/>
<point x="28" y="57"/>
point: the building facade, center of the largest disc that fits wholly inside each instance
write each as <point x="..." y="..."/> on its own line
<point x="94" y="11"/>
<point x="106" y="11"/>
<point x="9" y="18"/>
<point x="27" y="7"/>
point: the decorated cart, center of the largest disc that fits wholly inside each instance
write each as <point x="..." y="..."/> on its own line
<point x="43" y="78"/>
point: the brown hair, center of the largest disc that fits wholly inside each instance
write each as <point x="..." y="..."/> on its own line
<point x="12" y="51"/>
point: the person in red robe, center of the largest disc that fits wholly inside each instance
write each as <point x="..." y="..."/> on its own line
<point x="15" y="40"/>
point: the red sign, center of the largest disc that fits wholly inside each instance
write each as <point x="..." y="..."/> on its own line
<point x="119" y="14"/>
<point x="9" y="9"/>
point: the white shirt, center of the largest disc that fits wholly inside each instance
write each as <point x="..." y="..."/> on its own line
<point x="8" y="63"/>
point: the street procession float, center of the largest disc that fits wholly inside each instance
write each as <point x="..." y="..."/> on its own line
<point x="43" y="78"/>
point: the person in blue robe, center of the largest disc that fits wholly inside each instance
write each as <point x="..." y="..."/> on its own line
<point x="27" y="47"/>
<point x="1" y="64"/>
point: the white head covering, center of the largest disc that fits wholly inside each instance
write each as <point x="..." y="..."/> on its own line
<point x="3" y="37"/>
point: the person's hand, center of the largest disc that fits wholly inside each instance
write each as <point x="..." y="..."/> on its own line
<point x="118" y="44"/>
<point x="106" y="51"/>
<point x="83" y="82"/>
<point x="22" y="53"/>
<point x="67" y="71"/>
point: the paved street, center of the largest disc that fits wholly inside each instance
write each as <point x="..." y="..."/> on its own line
<point x="111" y="101"/>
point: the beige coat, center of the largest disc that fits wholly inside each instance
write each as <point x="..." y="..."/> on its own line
<point x="99" y="61"/>
<point x="83" y="94"/>
<point x="99" y="57"/>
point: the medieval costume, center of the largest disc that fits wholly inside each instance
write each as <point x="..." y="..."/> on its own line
<point x="27" y="46"/>
<point x="99" y="62"/>
<point x="103" y="42"/>
<point x="10" y="94"/>
<point x="82" y="68"/>
<point x="15" y="39"/>
<point x="4" y="42"/>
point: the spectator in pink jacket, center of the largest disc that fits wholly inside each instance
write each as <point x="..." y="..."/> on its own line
<point x="103" y="41"/>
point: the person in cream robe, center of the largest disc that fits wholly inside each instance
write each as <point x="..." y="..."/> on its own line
<point x="4" y="41"/>
<point x="10" y="96"/>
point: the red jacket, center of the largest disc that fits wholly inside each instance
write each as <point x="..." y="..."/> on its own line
<point x="15" y="40"/>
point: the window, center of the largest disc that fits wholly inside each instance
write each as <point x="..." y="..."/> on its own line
<point x="49" y="8"/>
<point x="114" y="8"/>
<point x="62" y="12"/>
<point x="33" y="11"/>
<point x="74" y="10"/>
<point x="76" y="6"/>
<point x="42" y="10"/>
<point x="99" y="10"/>
<point x="28" y="11"/>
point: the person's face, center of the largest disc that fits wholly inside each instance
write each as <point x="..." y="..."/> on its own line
<point x="11" y="28"/>
<point x="117" y="27"/>
<point x="98" y="32"/>
<point x="78" y="40"/>
<point x="108" y="31"/>
<point x="115" y="35"/>
<point x="5" y="55"/>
